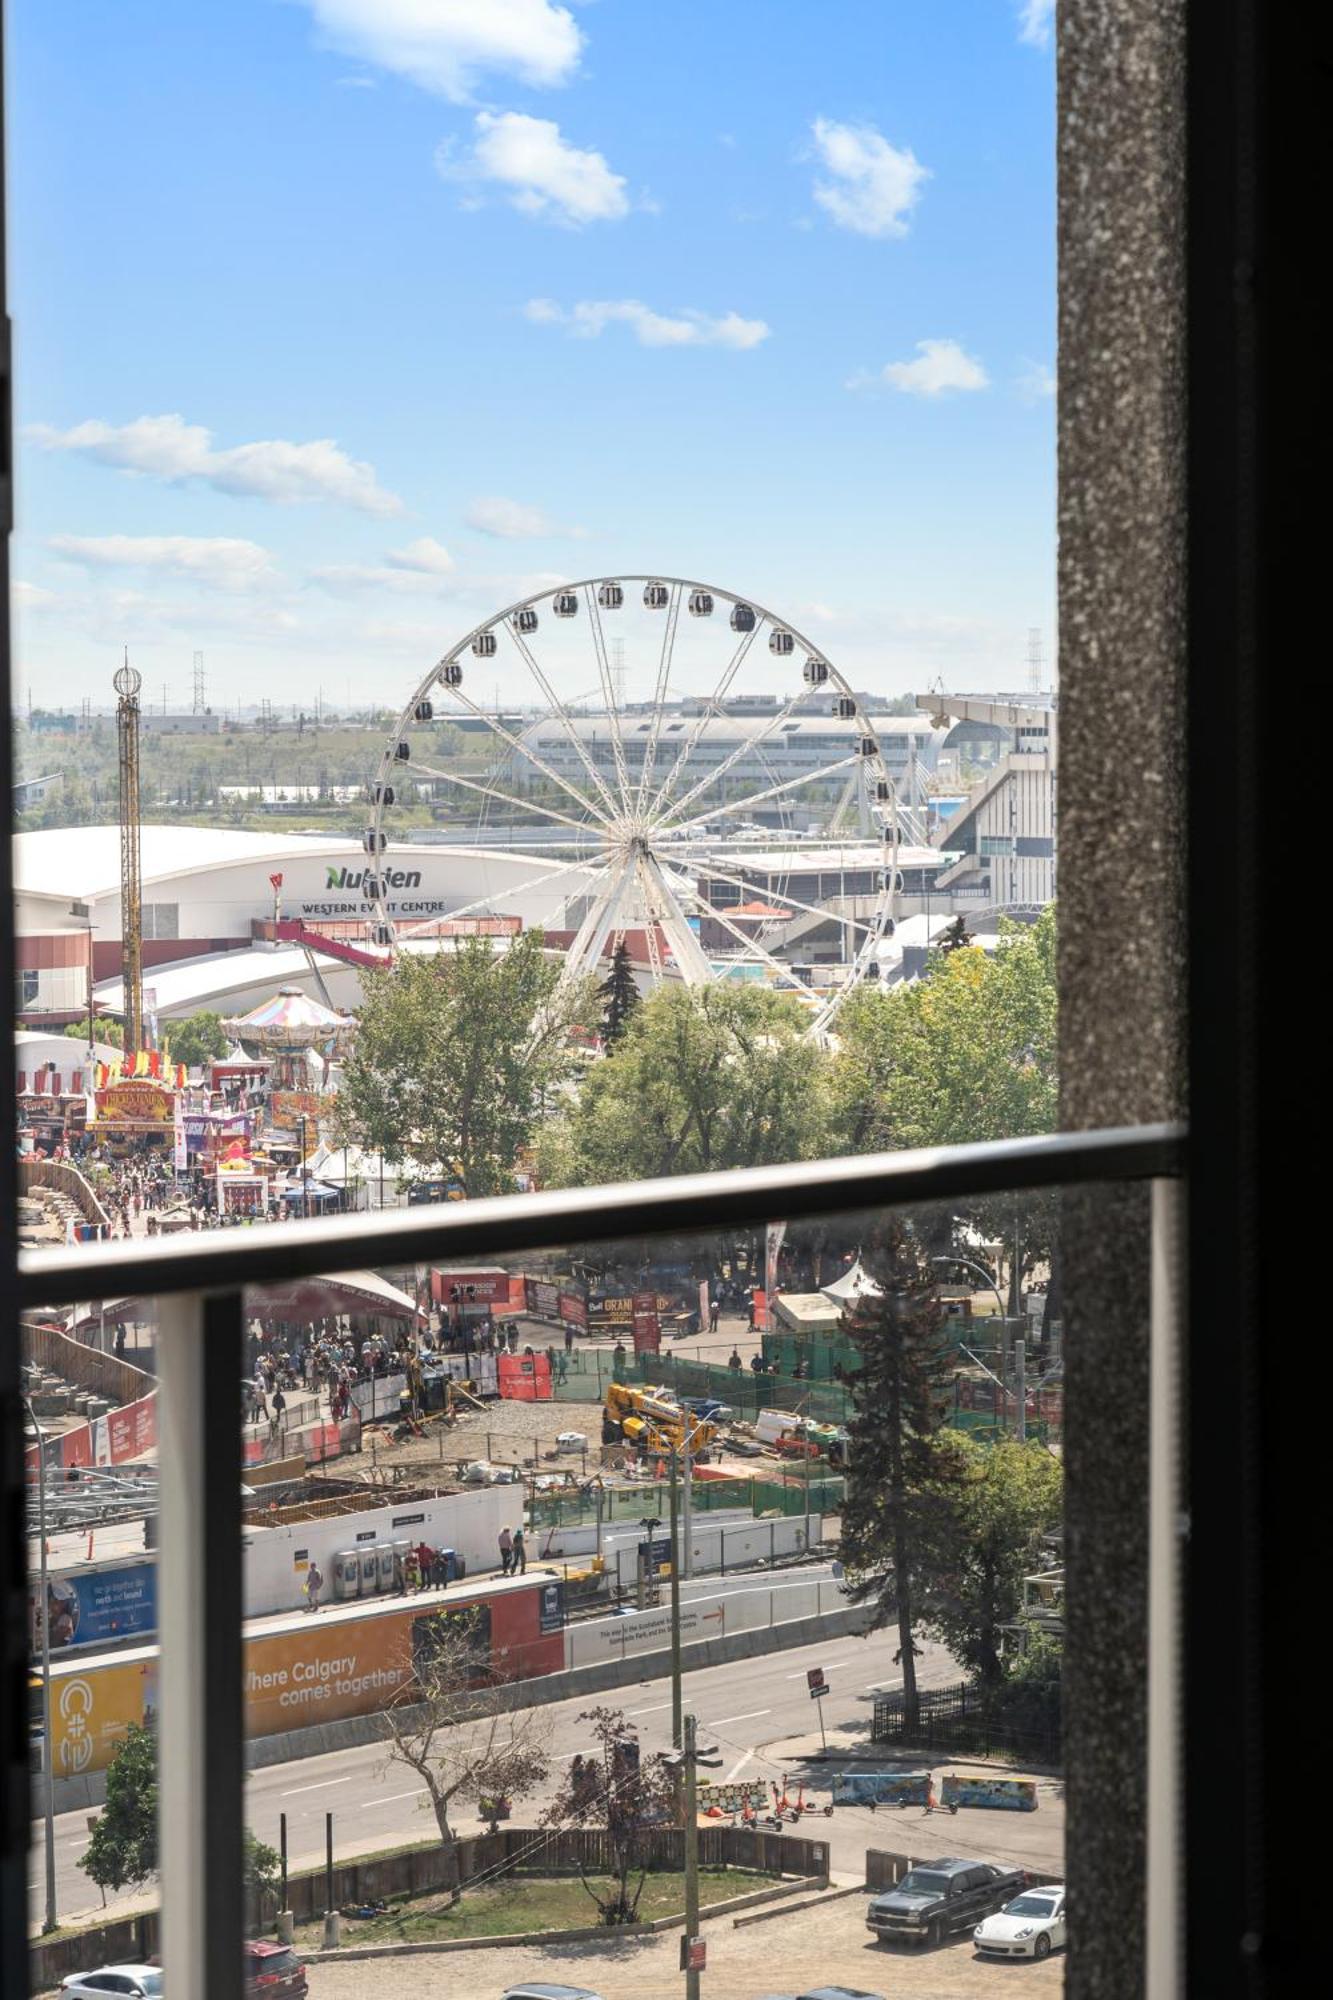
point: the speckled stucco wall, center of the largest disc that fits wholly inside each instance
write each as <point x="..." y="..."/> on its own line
<point x="1121" y="606"/>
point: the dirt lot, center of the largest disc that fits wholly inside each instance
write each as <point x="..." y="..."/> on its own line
<point x="784" y="1955"/>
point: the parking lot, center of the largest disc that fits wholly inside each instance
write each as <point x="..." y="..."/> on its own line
<point x="784" y="1955"/>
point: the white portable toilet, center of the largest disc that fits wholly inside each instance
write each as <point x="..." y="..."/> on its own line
<point x="346" y="1574"/>
<point x="384" y="1565"/>
<point x="369" y="1572"/>
<point x="402" y="1550"/>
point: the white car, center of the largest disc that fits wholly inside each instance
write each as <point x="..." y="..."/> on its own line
<point x="571" y="1441"/>
<point x="134" y="1982"/>
<point x="1032" y="1926"/>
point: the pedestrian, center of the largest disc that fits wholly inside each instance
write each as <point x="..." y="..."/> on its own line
<point x="714" y="1315"/>
<point x="314" y="1583"/>
<point x="569" y="1340"/>
<point x="506" y="1551"/>
<point x="735" y="1362"/>
<point x="519" y="1555"/>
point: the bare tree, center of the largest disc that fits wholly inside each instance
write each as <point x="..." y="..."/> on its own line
<point x="459" y="1727"/>
<point x="627" y="1797"/>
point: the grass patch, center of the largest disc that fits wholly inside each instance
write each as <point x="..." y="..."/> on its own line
<point x="524" y="1903"/>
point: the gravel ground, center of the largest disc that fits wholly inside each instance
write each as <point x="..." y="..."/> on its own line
<point x="814" y="1946"/>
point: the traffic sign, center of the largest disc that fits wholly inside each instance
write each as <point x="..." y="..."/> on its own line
<point x="693" y="1954"/>
<point x="814" y="1677"/>
<point x="818" y="1693"/>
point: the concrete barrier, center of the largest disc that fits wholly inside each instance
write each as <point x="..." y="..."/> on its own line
<point x="75" y="1794"/>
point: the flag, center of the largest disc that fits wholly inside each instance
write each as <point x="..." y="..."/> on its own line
<point x="773" y="1236"/>
<point x="155" y="1062"/>
<point x="180" y="1076"/>
<point x="141" y="1063"/>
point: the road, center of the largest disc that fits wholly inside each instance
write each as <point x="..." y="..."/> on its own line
<point x="758" y="1712"/>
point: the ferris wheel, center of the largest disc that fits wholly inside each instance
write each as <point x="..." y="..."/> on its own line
<point x="646" y="720"/>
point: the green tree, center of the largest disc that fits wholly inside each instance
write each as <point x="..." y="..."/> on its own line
<point x="968" y="1053"/>
<point x="263" y="1878"/>
<point x="703" y="1078"/>
<point x="197" y="1040"/>
<point x="104" y="1030"/>
<point x="620" y="994"/>
<point x="1009" y="1495"/>
<point x="459" y="1055"/>
<point x="123" y="1850"/>
<point x="903" y="1517"/>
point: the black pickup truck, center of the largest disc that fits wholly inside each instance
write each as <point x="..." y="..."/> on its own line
<point x="936" y="1898"/>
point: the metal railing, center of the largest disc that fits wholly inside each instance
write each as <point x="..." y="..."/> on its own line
<point x="200" y="1282"/>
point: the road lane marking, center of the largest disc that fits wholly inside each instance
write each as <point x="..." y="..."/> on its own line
<point x="828" y="1670"/>
<point x="420" y="1793"/>
<point x="749" y="1716"/>
<point x="737" y="1768"/>
<point x="654" y="1710"/>
<point x="322" y="1786"/>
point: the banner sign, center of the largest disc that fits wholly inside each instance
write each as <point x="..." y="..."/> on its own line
<point x="541" y="1298"/>
<point x="619" y="1311"/>
<point x="734" y="1798"/>
<point x="288" y="1107"/>
<point x="88" y="1609"/>
<point x="895" y="1788"/>
<point x="1003" y="1794"/>
<point x="573" y="1309"/>
<point x="136" y="1101"/>
<point x="647" y="1324"/>
<point x="474" y="1288"/>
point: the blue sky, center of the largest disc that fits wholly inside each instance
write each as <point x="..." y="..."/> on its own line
<point x="340" y="323"/>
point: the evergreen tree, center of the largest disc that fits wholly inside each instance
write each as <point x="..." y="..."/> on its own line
<point x="904" y="1517"/>
<point x="620" y="994"/>
<point x="954" y="938"/>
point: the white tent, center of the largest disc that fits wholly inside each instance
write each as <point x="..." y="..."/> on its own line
<point x="854" y="1283"/>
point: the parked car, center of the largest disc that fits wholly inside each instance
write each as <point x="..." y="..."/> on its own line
<point x="133" y="1982"/>
<point x="936" y="1899"/>
<point x="709" y="1408"/>
<point x="274" y="1971"/>
<point x="839" y="1993"/>
<point x="1032" y="1926"/>
<point x="542" y="1990"/>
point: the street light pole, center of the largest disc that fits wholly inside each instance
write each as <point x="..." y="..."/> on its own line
<point x="305" y="1170"/>
<point x="51" y="1921"/>
<point x="691" y="1851"/>
<point x="675" y="1614"/>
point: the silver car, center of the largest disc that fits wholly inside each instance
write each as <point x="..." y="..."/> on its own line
<point x="133" y="1982"/>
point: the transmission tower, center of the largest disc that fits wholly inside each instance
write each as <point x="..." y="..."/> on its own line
<point x="127" y="684"/>
<point x="199" y="697"/>
<point x="1035" y="670"/>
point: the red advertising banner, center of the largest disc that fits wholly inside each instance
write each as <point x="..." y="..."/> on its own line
<point x="475" y="1288"/>
<point x="760" y="1312"/>
<point x="647" y="1324"/>
<point x="76" y="1447"/>
<point x="574" y="1310"/>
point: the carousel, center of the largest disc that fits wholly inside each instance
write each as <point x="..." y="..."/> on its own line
<point x="300" y="1039"/>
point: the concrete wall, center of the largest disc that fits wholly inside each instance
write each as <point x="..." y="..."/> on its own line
<point x="468" y="1522"/>
<point x="1121" y="442"/>
<point x="730" y="1540"/>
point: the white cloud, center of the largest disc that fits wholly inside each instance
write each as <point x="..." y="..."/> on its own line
<point x="215" y="560"/>
<point x="1037" y="382"/>
<point x="444" y="46"/>
<point x="874" y="185"/>
<point x="941" y="368"/>
<point x="512" y="521"/>
<point x="425" y="555"/>
<point x="410" y="579"/>
<point x="31" y="596"/>
<point x="1035" y="18"/>
<point x="541" y="173"/>
<point x="684" y="328"/>
<point x="168" y="448"/>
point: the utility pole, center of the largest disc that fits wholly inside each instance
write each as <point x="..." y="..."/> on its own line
<point x="1021" y="1387"/>
<point x="127" y="684"/>
<point x="51" y="1921"/>
<point x="691" y="1851"/>
<point x="675" y="1614"/>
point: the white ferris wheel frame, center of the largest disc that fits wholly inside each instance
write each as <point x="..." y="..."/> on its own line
<point x="640" y="829"/>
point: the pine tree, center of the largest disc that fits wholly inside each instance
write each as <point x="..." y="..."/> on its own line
<point x="903" y="1518"/>
<point x="954" y="938"/>
<point x="620" y="994"/>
